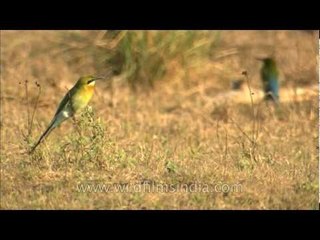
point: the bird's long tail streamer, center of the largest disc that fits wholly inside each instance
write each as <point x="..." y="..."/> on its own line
<point x="45" y="134"/>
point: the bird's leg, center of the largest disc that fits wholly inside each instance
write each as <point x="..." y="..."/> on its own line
<point x="76" y="125"/>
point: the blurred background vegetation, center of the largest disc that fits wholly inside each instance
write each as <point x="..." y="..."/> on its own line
<point x="140" y="58"/>
<point x="143" y="57"/>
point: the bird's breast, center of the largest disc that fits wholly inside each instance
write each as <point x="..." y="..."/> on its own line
<point x="82" y="97"/>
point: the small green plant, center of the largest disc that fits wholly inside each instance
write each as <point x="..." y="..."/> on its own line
<point x="171" y="167"/>
<point x="87" y="141"/>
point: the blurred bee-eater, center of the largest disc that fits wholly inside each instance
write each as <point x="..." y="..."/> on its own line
<point x="270" y="79"/>
<point x="75" y="100"/>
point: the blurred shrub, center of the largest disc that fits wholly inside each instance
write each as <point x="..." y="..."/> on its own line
<point x="142" y="56"/>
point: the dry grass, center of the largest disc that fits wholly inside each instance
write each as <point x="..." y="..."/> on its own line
<point x="178" y="133"/>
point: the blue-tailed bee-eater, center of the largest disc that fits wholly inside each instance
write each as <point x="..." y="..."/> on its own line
<point x="76" y="99"/>
<point x="270" y="79"/>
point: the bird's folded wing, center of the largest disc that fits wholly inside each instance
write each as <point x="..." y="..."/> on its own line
<point x="65" y="101"/>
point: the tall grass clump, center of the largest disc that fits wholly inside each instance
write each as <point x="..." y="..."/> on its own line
<point x="141" y="57"/>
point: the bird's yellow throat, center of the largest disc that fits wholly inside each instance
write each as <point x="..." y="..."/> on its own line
<point x="89" y="89"/>
<point x="83" y="96"/>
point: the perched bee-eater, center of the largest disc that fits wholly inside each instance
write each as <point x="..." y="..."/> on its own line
<point x="75" y="100"/>
<point x="270" y="79"/>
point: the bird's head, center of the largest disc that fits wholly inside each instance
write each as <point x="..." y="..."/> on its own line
<point x="267" y="61"/>
<point x="88" y="80"/>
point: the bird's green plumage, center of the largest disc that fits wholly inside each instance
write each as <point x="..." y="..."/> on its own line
<point x="65" y="102"/>
<point x="270" y="76"/>
<point x="269" y="70"/>
<point x="75" y="100"/>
